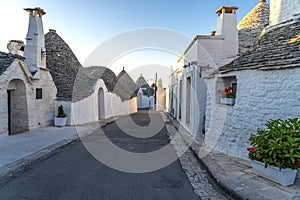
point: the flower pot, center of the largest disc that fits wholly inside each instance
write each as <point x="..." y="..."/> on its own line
<point x="60" y="121"/>
<point x="227" y="101"/>
<point x="284" y="177"/>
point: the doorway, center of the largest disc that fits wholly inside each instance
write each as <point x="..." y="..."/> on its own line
<point x="101" y="104"/>
<point x="17" y="107"/>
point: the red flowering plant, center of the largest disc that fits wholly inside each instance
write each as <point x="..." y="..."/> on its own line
<point x="227" y="93"/>
<point x="278" y="145"/>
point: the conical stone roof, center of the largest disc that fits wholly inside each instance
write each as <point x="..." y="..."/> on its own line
<point x="276" y="49"/>
<point x="124" y="79"/>
<point x="141" y="82"/>
<point x="75" y="82"/>
<point x="252" y="24"/>
<point x="62" y="63"/>
<point x="105" y="74"/>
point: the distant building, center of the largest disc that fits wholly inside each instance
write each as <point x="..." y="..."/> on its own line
<point x="145" y="94"/>
<point x="161" y="96"/>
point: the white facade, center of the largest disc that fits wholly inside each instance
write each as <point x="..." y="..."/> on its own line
<point x="100" y="105"/>
<point x="26" y="110"/>
<point x="202" y="59"/>
<point x="160" y="96"/>
<point x="144" y="101"/>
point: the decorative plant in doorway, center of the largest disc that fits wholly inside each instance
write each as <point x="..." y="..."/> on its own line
<point x="277" y="147"/>
<point x="61" y="118"/>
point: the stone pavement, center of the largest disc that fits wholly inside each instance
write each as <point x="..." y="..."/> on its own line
<point x="202" y="184"/>
<point x="18" y="151"/>
<point x="235" y="176"/>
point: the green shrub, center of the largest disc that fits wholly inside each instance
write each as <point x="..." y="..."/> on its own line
<point x="60" y="112"/>
<point x="277" y="145"/>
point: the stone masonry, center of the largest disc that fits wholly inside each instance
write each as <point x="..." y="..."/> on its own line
<point x="251" y="26"/>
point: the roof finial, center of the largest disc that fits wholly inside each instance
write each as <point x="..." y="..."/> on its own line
<point x="123" y="68"/>
<point x="261" y="1"/>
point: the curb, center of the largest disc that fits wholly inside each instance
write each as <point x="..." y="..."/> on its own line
<point x="231" y="193"/>
<point x="239" y="182"/>
<point x="16" y="166"/>
<point x="10" y="169"/>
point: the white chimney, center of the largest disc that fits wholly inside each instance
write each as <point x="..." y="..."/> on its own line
<point x="283" y="10"/>
<point x="227" y="28"/>
<point x="16" y="47"/>
<point x="35" y="52"/>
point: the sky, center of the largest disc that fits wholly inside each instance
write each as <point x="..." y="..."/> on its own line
<point x="86" y="24"/>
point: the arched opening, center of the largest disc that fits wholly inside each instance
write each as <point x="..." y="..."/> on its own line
<point x="101" y="104"/>
<point x="17" y="107"/>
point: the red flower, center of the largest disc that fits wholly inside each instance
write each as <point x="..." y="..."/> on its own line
<point x="226" y="90"/>
<point x="229" y="88"/>
<point x="250" y="149"/>
<point x="297" y="164"/>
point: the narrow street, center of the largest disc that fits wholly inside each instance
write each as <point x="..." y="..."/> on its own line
<point x="73" y="173"/>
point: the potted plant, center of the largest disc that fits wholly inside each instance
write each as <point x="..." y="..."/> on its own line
<point x="227" y="96"/>
<point x="275" y="151"/>
<point x="61" y="118"/>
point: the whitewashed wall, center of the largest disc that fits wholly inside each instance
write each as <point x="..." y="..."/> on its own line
<point x="261" y="96"/>
<point x="86" y="110"/>
<point x="143" y="101"/>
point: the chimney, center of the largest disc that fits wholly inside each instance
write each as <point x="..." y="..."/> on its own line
<point x="35" y="52"/>
<point x="284" y="10"/>
<point x="227" y="28"/>
<point x="16" y="47"/>
<point x="226" y="21"/>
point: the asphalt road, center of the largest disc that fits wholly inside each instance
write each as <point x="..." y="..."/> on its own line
<point x="73" y="173"/>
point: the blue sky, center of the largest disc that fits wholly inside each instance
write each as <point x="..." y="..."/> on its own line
<point x="86" y="24"/>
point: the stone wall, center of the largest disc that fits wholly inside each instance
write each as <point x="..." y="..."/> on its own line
<point x="283" y="10"/>
<point x="261" y="96"/>
<point x="40" y="111"/>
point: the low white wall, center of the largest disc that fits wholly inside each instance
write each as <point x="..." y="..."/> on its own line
<point x="86" y="110"/>
<point x="114" y="105"/>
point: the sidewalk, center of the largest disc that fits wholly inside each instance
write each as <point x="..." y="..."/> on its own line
<point x="235" y="176"/>
<point x="18" y="151"/>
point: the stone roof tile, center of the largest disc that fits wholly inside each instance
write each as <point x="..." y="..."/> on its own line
<point x="251" y="26"/>
<point x="141" y="82"/>
<point x="62" y="63"/>
<point x="6" y="59"/>
<point x="124" y="79"/>
<point x="73" y="81"/>
<point x="276" y="49"/>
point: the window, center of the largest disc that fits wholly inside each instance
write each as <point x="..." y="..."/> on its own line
<point x="226" y="90"/>
<point x="39" y="93"/>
